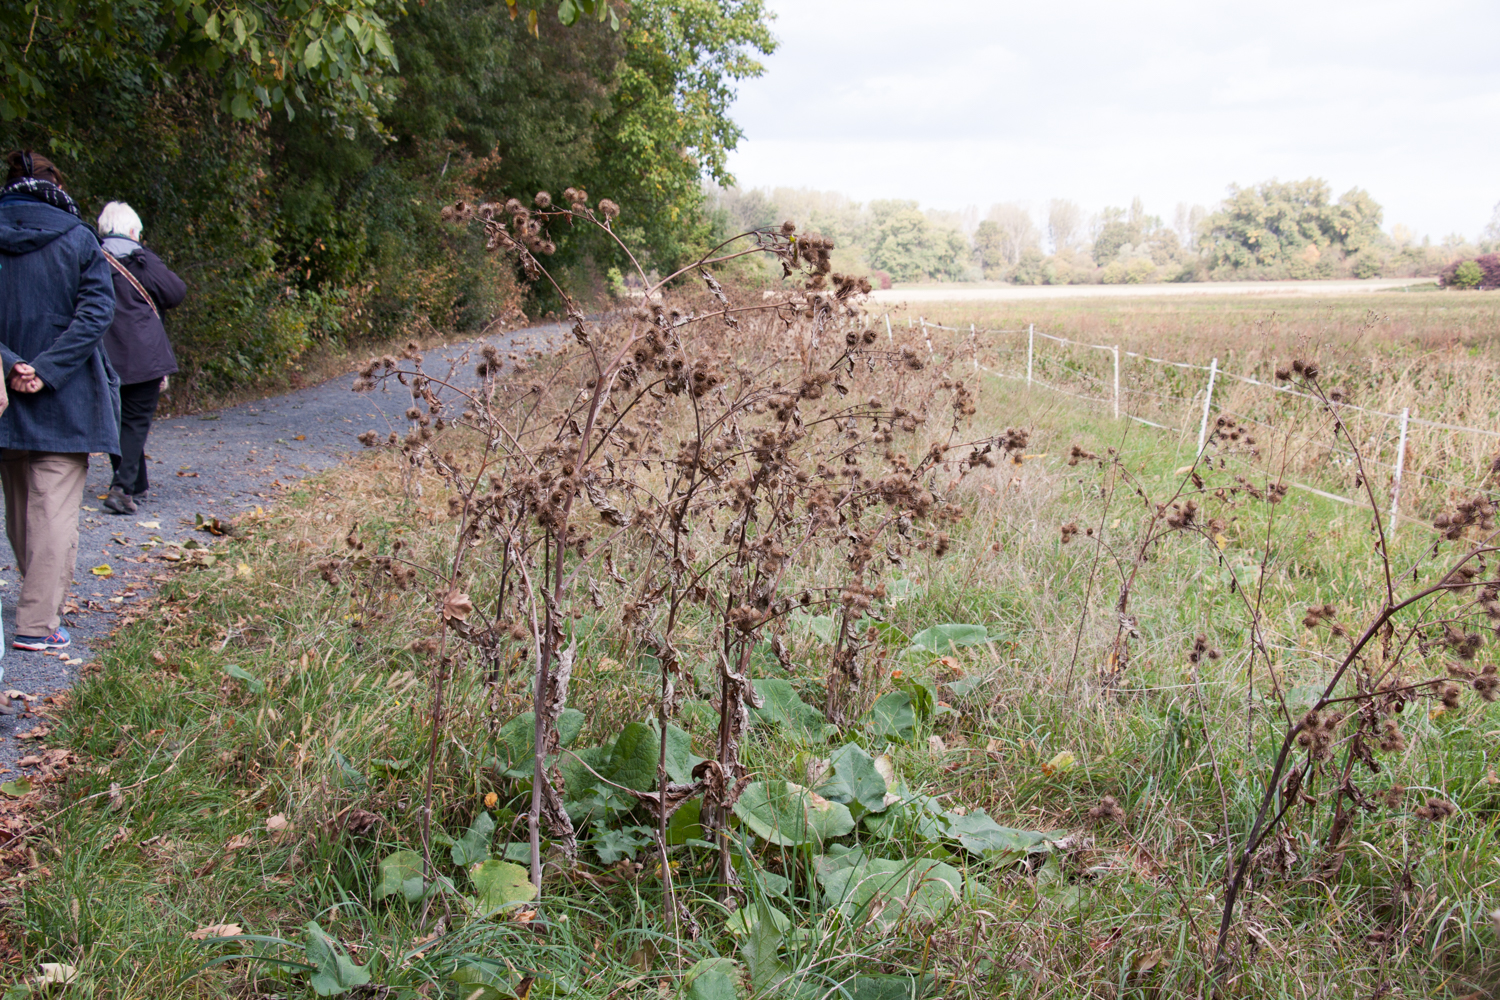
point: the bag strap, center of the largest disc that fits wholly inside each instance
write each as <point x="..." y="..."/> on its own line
<point x="132" y="279"/>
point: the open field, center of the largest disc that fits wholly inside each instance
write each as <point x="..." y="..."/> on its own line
<point x="1115" y="707"/>
<point x="986" y="292"/>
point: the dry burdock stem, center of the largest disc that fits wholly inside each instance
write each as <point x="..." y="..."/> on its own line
<point x="702" y="459"/>
<point x="1397" y="657"/>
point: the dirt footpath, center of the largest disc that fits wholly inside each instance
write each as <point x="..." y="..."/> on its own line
<point x="210" y="465"/>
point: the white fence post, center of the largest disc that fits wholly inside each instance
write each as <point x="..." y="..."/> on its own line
<point x="925" y="335"/>
<point x="1030" y="347"/>
<point x="1208" y="398"/>
<point x="1117" y="381"/>
<point x="1400" y="463"/>
<point x="890" y="337"/>
<point x="974" y="346"/>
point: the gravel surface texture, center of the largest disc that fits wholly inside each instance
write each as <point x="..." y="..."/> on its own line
<point x="216" y="464"/>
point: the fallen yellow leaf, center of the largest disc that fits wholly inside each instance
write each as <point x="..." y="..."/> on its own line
<point x="102" y="570"/>
<point x="243" y="570"/>
<point x="215" y="931"/>
<point x="1064" y="761"/>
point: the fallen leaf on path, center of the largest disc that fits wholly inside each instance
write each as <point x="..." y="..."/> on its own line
<point x="215" y="931"/>
<point x="187" y="475"/>
<point x="300" y="437"/>
<point x="102" y="570"/>
<point x="149" y="524"/>
<point x="17" y="788"/>
<point x="30" y="760"/>
<point x="35" y="734"/>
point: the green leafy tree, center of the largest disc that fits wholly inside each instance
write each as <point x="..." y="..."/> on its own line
<point x="910" y="248"/>
<point x="1291" y="228"/>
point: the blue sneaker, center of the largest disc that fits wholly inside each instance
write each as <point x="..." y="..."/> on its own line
<point x="57" y="640"/>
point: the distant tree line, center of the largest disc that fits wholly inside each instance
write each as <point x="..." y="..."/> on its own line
<point x="1271" y="230"/>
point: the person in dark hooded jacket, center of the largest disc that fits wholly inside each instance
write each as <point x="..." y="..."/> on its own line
<point x="56" y="302"/>
<point x="137" y="344"/>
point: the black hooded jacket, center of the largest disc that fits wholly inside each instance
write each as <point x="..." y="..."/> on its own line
<point x="137" y="340"/>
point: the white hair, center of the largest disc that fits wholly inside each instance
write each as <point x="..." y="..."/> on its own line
<point x="119" y="219"/>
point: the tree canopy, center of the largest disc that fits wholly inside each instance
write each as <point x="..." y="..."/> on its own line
<point x="290" y="157"/>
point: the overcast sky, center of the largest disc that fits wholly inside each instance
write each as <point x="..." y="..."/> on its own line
<point x="962" y="102"/>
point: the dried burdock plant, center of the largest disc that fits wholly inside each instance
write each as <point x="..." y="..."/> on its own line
<point x="1417" y="640"/>
<point x="701" y="461"/>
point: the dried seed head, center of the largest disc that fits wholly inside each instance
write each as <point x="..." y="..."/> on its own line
<point x="1436" y="809"/>
<point x="543" y="200"/>
<point x="1107" y="809"/>
<point x="608" y="208"/>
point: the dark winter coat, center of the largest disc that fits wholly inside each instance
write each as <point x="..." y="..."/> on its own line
<point x="137" y="341"/>
<point x="56" y="301"/>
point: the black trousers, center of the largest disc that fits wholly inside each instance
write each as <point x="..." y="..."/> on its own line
<point x="137" y="407"/>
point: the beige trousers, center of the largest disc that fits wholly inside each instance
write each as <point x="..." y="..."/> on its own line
<point x="42" y="492"/>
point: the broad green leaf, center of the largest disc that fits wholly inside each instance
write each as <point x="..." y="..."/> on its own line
<point x="711" y="979"/>
<point x="17" y="787"/>
<point x="211" y="26"/>
<point x="401" y="875"/>
<point x="313" y="54"/>
<point x="255" y="684"/>
<point x="499" y="884"/>
<point x="787" y="814"/>
<point x="612" y="845"/>
<point x="474" y="846"/>
<point x="887" y="890"/>
<point x="761" y="948"/>
<point x="567" y="12"/>
<point x="336" y="973"/>
<point x="480" y="983"/>
<point x="942" y="640"/>
<point x="893" y="717"/>
<point x="980" y="835"/>
<point x="516" y="742"/>
<point x="782" y="707"/>
<point x="637" y="750"/>
<point x="685" y="823"/>
<point x="741" y="922"/>
<point x="853" y="779"/>
<point x="890" y="987"/>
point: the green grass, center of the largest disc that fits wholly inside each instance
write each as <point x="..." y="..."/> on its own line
<point x="203" y="756"/>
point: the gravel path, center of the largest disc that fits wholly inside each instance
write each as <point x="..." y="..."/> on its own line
<point x="214" y="464"/>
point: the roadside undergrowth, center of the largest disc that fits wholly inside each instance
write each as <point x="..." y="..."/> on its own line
<point x="1034" y="775"/>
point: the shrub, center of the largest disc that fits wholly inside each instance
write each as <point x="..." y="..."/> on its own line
<point x="1478" y="272"/>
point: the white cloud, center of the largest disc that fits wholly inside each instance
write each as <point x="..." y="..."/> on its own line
<point x="964" y="102"/>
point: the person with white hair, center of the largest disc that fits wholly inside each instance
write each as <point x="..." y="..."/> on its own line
<point x="137" y="345"/>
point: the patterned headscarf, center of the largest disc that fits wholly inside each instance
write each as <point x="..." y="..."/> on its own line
<point x="43" y="191"/>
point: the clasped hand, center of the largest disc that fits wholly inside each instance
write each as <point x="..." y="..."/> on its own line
<point x="23" y="378"/>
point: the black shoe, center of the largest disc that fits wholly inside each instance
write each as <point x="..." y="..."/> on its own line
<point x="118" y="502"/>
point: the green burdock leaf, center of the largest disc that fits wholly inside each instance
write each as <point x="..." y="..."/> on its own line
<point x="612" y="845"/>
<point x="500" y="884"/>
<point x="784" y="813"/>
<point x="515" y="744"/>
<point x="761" y="948"/>
<point x="982" y="836"/>
<point x="401" y="875"/>
<point x="919" y="888"/>
<point x="686" y="823"/>
<point x="17" y="788"/>
<point x="255" y="684"/>
<point x="474" y="846"/>
<point x="782" y="707"/>
<point x="893" y="717"/>
<point x="943" y="640"/>
<point x="853" y="779"/>
<point x="336" y="973"/>
<point x="711" y="979"/>
<point x="894" y="987"/>
<point x="633" y="761"/>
